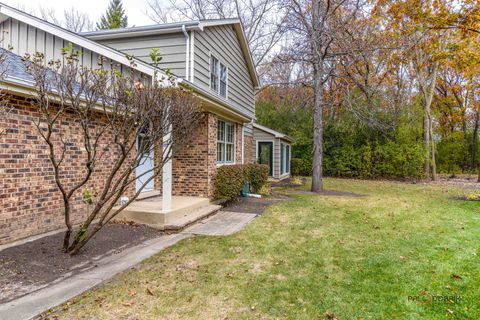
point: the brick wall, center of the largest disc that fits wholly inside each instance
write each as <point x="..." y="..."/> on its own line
<point x="248" y="153"/>
<point x="190" y="163"/>
<point x="30" y="202"/>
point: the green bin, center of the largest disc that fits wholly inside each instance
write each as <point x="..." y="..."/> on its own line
<point x="246" y="189"/>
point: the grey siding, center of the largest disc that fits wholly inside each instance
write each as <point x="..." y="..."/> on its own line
<point x="172" y="48"/>
<point x="22" y="38"/>
<point x="260" y="135"/>
<point x="222" y="42"/>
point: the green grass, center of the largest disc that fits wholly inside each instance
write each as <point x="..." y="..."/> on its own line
<point x="356" y="258"/>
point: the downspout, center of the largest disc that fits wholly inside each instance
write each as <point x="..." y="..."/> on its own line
<point x="187" y="52"/>
<point x="243" y="145"/>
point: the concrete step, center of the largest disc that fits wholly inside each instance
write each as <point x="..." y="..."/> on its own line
<point x="188" y="219"/>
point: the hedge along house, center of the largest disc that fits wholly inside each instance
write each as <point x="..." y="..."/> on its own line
<point x="210" y="57"/>
<point x="273" y="149"/>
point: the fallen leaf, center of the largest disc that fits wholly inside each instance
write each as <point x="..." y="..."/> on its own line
<point x="331" y="316"/>
<point x="150" y="292"/>
<point x="456" y="277"/>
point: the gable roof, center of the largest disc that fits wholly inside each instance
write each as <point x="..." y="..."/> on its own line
<point x="273" y="132"/>
<point x="196" y="25"/>
<point x="9" y="12"/>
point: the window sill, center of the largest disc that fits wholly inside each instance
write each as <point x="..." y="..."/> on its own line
<point x="219" y="164"/>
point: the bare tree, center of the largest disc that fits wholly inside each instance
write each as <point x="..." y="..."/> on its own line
<point x="261" y="19"/>
<point x="315" y="28"/>
<point x="116" y="119"/>
<point x="425" y="68"/>
<point x="72" y="19"/>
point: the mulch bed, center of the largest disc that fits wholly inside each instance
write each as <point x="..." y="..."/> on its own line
<point x="253" y="205"/>
<point x="30" y="266"/>
<point x="287" y="183"/>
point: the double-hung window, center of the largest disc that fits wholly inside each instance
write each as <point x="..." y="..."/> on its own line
<point x="214" y="73"/>
<point x="284" y="158"/>
<point x="218" y="77"/>
<point x="225" y="142"/>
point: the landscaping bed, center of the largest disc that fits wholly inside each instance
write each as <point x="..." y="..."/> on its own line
<point x="33" y="265"/>
<point x="253" y="205"/>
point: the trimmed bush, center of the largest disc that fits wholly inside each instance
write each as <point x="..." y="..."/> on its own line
<point x="296" y="166"/>
<point x="257" y="175"/>
<point x="232" y="178"/>
<point x="230" y="181"/>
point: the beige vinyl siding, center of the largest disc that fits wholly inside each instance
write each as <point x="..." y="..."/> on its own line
<point x="23" y="38"/>
<point x="222" y="42"/>
<point x="172" y="49"/>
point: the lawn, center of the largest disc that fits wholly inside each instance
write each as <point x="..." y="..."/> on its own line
<point x="315" y="257"/>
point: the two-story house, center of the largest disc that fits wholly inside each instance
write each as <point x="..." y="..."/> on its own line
<point x="211" y="57"/>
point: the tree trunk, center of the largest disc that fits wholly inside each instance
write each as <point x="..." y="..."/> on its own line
<point x="317" y="174"/>
<point x="433" y="165"/>
<point x="426" y="141"/>
<point x="428" y="98"/>
<point x="68" y="223"/>
<point x="474" y="142"/>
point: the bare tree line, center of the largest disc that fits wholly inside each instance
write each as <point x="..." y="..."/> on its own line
<point x="71" y="19"/>
<point x="262" y="19"/>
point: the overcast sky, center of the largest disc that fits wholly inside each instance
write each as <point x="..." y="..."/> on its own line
<point x="94" y="8"/>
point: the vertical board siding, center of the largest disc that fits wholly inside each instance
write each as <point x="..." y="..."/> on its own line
<point x="172" y="49"/>
<point x="23" y="38"/>
<point x="222" y="42"/>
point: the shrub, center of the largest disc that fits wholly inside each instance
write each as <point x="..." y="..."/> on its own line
<point x="230" y="181"/>
<point x="296" y="180"/>
<point x="296" y="166"/>
<point x="232" y="178"/>
<point x="265" y="190"/>
<point x="257" y="175"/>
<point x="472" y="197"/>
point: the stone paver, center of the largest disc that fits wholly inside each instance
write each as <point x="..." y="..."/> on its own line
<point x="221" y="224"/>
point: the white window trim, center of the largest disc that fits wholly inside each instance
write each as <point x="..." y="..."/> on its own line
<point x="220" y="62"/>
<point x="285" y="158"/>
<point x="223" y="163"/>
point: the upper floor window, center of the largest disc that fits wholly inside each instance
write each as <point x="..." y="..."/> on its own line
<point x="225" y="142"/>
<point x="218" y="77"/>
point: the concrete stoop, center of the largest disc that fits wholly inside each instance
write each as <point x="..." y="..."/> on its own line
<point x="188" y="219"/>
<point x="185" y="211"/>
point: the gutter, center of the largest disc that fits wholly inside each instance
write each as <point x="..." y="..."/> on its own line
<point x="217" y="100"/>
<point x="142" y="30"/>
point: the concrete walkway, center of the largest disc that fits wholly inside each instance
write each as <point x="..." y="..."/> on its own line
<point x="31" y="305"/>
